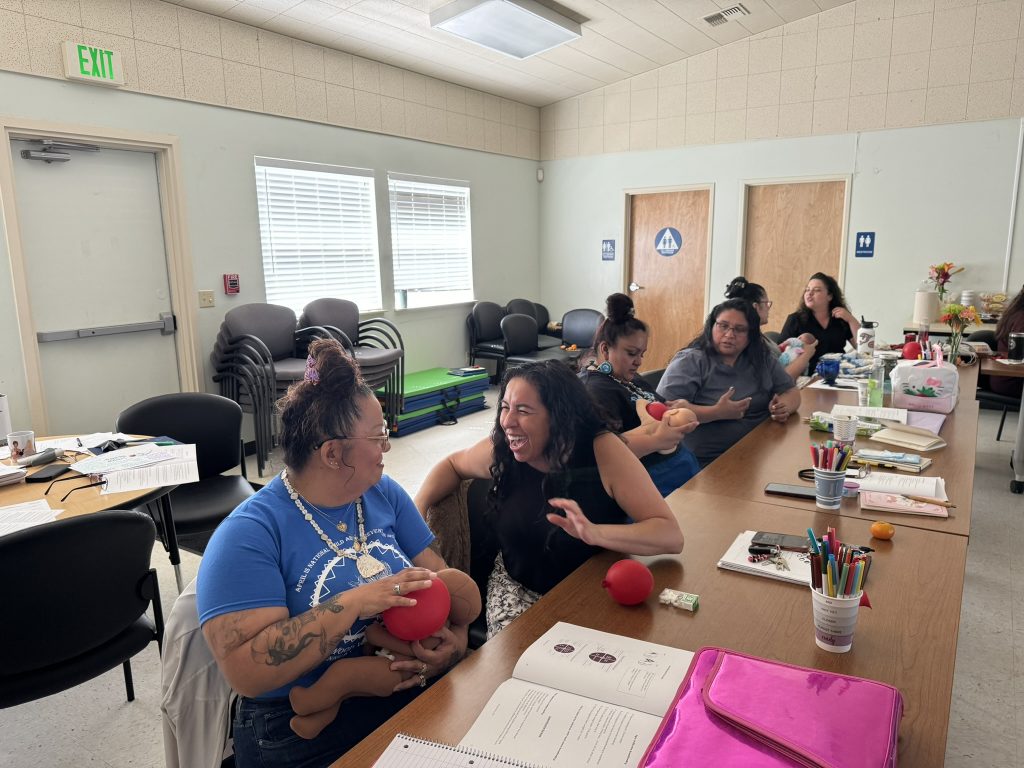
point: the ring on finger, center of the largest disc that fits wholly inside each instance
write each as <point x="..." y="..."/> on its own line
<point x="423" y="669"/>
<point x="397" y="589"/>
<point x="423" y="680"/>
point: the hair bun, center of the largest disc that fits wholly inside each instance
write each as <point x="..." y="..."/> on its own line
<point x="337" y="373"/>
<point x="619" y="308"/>
<point x="736" y="288"/>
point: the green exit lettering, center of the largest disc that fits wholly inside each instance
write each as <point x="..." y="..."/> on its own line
<point x="95" y="62"/>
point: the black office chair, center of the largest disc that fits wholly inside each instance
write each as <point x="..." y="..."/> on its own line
<point x="98" y="566"/>
<point x="579" y="327"/>
<point x="773" y="336"/>
<point x="653" y="378"/>
<point x="985" y="396"/>
<point x="527" y="307"/>
<point x="520" y="334"/>
<point x="189" y="514"/>
<point x="485" y="339"/>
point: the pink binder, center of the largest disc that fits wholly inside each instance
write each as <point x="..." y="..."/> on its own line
<point x="739" y="710"/>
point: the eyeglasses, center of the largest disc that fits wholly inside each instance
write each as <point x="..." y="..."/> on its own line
<point x="94" y="480"/>
<point x="385" y="439"/>
<point x="737" y="330"/>
<point x="767" y="304"/>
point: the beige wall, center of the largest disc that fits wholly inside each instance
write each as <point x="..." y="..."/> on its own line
<point x="183" y="54"/>
<point x="866" y="65"/>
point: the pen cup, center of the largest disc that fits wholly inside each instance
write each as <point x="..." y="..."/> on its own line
<point x="834" y="621"/>
<point x="21" y="444"/>
<point x="863" y="392"/>
<point x="828" y="488"/>
<point x="844" y="428"/>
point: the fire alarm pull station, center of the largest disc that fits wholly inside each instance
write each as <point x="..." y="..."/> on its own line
<point x="231" y="284"/>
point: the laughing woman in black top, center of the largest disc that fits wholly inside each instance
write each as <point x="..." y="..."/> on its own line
<point x="823" y="314"/>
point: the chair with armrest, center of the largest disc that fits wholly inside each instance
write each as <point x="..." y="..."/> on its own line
<point x="191" y="512"/>
<point x="520" y="334"/>
<point x="95" y="616"/>
<point x="773" y="336"/>
<point x="579" y="326"/>
<point x="485" y="339"/>
<point x="375" y="344"/>
<point x="985" y="396"/>
<point x="527" y="307"/>
<point x="653" y="378"/>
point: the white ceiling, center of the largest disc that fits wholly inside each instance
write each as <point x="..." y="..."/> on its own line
<point x="622" y="38"/>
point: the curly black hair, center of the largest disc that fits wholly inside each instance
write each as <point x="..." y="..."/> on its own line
<point x="571" y="414"/>
<point x="832" y="287"/>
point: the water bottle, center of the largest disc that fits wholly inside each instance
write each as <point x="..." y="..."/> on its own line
<point x="876" y="384"/>
<point x="866" y="337"/>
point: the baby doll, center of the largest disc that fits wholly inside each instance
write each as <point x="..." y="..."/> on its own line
<point x="674" y="417"/>
<point x="317" y="706"/>
<point x="794" y="347"/>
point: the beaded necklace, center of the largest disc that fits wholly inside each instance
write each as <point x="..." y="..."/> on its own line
<point x="636" y="392"/>
<point x="366" y="564"/>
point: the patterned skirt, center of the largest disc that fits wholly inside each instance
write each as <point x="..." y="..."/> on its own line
<point x="506" y="598"/>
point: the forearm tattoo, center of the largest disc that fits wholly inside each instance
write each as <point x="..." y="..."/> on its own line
<point x="287" y="639"/>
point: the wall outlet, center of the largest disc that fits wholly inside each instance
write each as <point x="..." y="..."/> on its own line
<point x="206" y="299"/>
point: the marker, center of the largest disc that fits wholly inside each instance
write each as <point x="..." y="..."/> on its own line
<point x="814" y="542"/>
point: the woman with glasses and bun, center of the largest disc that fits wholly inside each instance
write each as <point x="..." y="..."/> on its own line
<point x="823" y="314"/>
<point x="615" y="386"/>
<point x="729" y="379"/>
<point x="295" y="574"/>
<point x="797" y="351"/>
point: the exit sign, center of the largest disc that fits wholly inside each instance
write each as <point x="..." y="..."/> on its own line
<point x="92" y="64"/>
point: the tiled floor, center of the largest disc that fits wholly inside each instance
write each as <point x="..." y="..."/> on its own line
<point x="93" y="725"/>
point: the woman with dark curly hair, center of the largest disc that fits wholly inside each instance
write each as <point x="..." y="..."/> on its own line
<point x="823" y="314"/>
<point x="729" y="378"/>
<point x="563" y="489"/>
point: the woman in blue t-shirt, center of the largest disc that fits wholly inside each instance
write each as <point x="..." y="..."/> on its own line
<point x="293" y="576"/>
<point x="729" y="378"/>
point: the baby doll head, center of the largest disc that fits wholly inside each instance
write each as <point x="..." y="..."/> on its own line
<point x="465" y="596"/>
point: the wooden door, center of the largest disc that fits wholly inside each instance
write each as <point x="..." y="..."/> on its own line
<point x="672" y="286"/>
<point x="792" y="231"/>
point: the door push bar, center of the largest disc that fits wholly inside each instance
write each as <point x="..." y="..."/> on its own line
<point x="166" y="325"/>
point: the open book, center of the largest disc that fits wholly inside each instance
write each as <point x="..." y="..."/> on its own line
<point x="887" y="482"/>
<point x="905" y="436"/>
<point x="578" y="696"/>
<point x="894" y="502"/>
<point x="797" y="568"/>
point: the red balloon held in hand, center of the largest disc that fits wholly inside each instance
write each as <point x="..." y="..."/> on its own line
<point x="628" y="582"/>
<point x="415" y="622"/>
<point x="657" y="410"/>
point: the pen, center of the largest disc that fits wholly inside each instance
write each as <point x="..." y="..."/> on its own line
<point x="929" y="500"/>
<point x="150" y="442"/>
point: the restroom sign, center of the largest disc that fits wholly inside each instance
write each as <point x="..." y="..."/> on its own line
<point x="865" y="245"/>
<point x="92" y="64"/>
<point x="668" y="241"/>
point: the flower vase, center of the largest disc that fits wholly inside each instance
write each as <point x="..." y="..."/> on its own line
<point x="954" y="343"/>
<point x="942" y="296"/>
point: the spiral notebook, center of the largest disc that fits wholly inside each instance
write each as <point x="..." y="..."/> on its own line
<point x="410" y="752"/>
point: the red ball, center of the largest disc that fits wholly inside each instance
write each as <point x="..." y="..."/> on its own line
<point x="415" y="622"/>
<point x="657" y="410"/>
<point x="911" y="350"/>
<point x="628" y="582"/>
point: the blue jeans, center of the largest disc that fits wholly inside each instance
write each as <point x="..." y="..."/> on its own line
<point x="673" y="472"/>
<point x="264" y="739"/>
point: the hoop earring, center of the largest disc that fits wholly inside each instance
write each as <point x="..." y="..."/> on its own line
<point x="605" y="367"/>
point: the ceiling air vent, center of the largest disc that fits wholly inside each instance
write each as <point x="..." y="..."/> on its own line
<point x="715" y="19"/>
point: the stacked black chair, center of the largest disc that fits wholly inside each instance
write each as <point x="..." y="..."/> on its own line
<point x="258" y="354"/>
<point x="527" y="307"/>
<point x="100" y="620"/>
<point x="375" y="344"/>
<point x="520" y="335"/>
<point x="485" y="339"/>
<point x="190" y="513"/>
<point x="985" y="396"/>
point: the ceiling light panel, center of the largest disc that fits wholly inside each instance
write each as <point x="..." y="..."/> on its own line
<point x="518" y="28"/>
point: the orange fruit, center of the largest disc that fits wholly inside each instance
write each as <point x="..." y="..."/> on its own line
<point x="882" y="530"/>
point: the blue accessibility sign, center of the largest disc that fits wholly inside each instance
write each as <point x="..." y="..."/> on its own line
<point x="607" y="250"/>
<point x="865" y="245"/>
<point x="668" y="241"/>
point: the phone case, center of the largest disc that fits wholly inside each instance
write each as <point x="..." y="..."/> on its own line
<point x="787" y="541"/>
<point x="46" y="474"/>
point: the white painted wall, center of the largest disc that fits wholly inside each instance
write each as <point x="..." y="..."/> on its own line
<point x="218" y="146"/>
<point x="937" y="193"/>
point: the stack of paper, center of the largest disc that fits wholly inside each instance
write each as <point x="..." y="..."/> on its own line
<point x="177" y="467"/>
<point x="932" y="487"/>
<point x="10" y="475"/>
<point x="17" y="517"/>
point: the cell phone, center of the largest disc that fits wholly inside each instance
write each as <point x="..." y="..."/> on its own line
<point x="46" y="474"/>
<point x="781" y="540"/>
<point x="781" y="489"/>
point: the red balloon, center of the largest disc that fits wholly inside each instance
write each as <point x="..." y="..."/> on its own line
<point x="911" y="350"/>
<point x="628" y="582"/>
<point x="657" y="410"/>
<point x="415" y="622"/>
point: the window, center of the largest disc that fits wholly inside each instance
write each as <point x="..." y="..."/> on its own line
<point x="431" y="243"/>
<point x="318" y="225"/>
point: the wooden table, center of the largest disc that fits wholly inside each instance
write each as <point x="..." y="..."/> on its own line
<point x="908" y="639"/>
<point x="774" y="453"/>
<point x="992" y="368"/>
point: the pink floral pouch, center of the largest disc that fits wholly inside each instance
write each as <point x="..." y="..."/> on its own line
<point x="739" y="710"/>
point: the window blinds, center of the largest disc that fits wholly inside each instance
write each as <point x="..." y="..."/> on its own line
<point x="319" y="233"/>
<point x="431" y="242"/>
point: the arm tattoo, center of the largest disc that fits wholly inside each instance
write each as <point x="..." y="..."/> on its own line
<point x="284" y="641"/>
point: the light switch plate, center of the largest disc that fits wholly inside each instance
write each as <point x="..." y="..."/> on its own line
<point x="206" y="299"/>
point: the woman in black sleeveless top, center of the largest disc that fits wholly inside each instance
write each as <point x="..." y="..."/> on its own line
<point x="564" y="488"/>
